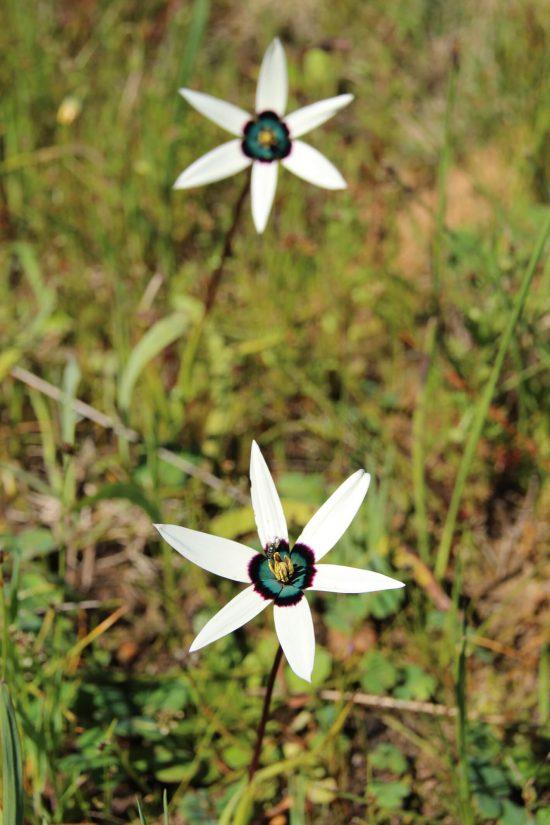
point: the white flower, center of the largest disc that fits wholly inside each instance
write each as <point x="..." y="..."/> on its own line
<point x="265" y="139"/>
<point x="280" y="575"/>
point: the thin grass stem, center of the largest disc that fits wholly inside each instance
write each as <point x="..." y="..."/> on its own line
<point x="444" y="549"/>
<point x="419" y="419"/>
<point x="465" y="795"/>
<point x="418" y="447"/>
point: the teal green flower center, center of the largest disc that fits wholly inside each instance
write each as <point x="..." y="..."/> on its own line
<point x="282" y="574"/>
<point x="266" y="138"/>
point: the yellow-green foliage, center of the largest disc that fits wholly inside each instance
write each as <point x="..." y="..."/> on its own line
<point x="398" y="325"/>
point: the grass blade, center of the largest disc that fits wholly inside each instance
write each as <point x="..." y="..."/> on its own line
<point x="142" y="819"/>
<point x="199" y="19"/>
<point x="418" y="451"/>
<point x="483" y="406"/>
<point x="462" y="730"/>
<point x="544" y="685"/>
<point x="165" y="819"/>
<point x="71" y="379"/>
<point x="163" y="333"/>
<point x="12" y="800"/>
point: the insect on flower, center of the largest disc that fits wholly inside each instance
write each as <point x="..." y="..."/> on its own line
<point x="265" y="139"/>
<point x="280" y="575"/>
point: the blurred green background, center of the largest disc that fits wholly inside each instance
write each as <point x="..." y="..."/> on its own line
<point x="360" y="330"/>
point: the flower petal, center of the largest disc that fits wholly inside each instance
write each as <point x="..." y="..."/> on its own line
<point x="332" y="520"/>
<point x="247" y="604"/>
<point x="220" y="556"/>
<point x="309" y="117"/>
<point x="335" y="578"/>
<point x="263" y="186"/>
<point x="229" y="117"/>
<point x="268" y="511"/>
<point x="272" y="89"/>
<point x="311" y="165"/>
<point x="221" y="162"/>
<point x="294" y="627"/>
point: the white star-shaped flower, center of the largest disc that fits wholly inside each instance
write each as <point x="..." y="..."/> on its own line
<point x="279" y="575"/>
<point x="264" y="139"/>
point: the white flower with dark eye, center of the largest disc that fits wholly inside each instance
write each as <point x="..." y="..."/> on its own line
<point x="264" y="139"/>
<point x="280" y="575"/>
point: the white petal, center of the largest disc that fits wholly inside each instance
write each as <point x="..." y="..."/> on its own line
<point x="311" y="165"/>
<point x="237" y="612"/>
<point x="263" y="186"/>
<point x="294" y="627"/>
<point x="272" y="89"/>
<point x="221" y="162"/>
<point x="268" y="511"/>
<point x="220" y="556"/>
<point x="332" y="520"/>
<point x="229" y="117"/>
<point x="309" y="117"/>
<point x="335" y="578"/>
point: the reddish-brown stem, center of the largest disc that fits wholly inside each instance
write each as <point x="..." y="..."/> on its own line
<point x="216" y="276"/>
<point x="265" y="713"/>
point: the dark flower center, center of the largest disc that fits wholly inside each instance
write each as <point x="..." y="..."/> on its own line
<point x="282" y="575"/>
<point x="266" y="138"/>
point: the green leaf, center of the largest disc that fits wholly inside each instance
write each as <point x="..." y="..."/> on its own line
<point x="307" y="488"/>
<point x="199" y="19"/>
<point x="389" y="795"/>
<point x="71" y="378"/>
<point x="142" y="819"/>
<point x="175" y="773"/>
<point x="36" y="541"/>
<point x="322" y="792"/>
<point x="165" y="819"/>
<point x="417" y="684"/>
<point x="236" y="756"/>
<point x="161" y="335"/>
<point x="386" y="757"/>
<point x="385" y="603"/>
<point x="12" y="769"/>
<point x="321" y="671"/>
<point x="482" y="408"/>
<point x="345" y="615"/>
<point x="125" y="490"/>
<point x="234" y="523"/>
<point x="379" y="673"/>
<point x="240" y="521"/>
<point x="513" y="814"/>
<point x="488" y="806"/>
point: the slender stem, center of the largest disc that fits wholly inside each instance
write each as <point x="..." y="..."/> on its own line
<point x="216" y="276"/>
<point x="214" y="281"/>
<point x="484" y="403"/>
<point x="5" y="620"/>
<point x="442" y="174"/>
<point x="465" y="793"/>
<point x="418" y="444"/>
<point x="265" y="713"/>
<point x="419" y="420"/>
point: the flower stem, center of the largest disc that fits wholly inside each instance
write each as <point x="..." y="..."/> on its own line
<point x="216" y="276"/>
<point x="212" y="286"/>
<point x="265" y="713"/>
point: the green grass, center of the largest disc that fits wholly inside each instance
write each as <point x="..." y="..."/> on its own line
<point x="398" y="325"/>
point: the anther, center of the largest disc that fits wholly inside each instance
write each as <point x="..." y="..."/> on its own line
<point x="267" y="138"/>
<point x="281" y="568"/>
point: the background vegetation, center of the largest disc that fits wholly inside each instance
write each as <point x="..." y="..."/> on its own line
<point x="360" y="330"/>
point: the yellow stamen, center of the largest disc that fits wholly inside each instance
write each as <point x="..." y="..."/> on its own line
<point x="282" y="569"/>
<point x="266" y="137"/>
